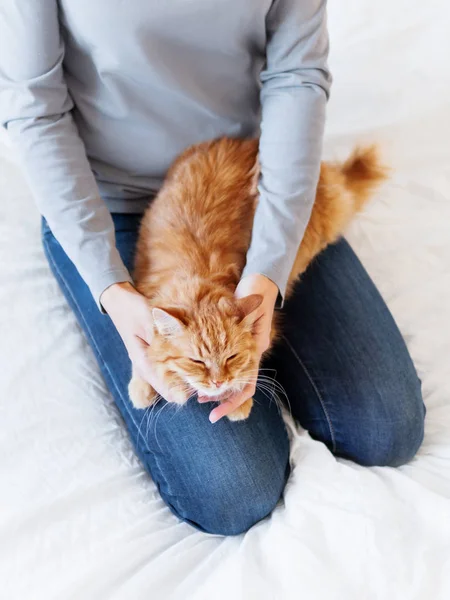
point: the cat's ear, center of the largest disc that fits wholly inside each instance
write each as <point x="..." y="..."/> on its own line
<point x="248" y="305"/>
<point x="165" y="323"/>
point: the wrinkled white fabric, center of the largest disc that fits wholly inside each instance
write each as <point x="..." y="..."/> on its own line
<point x="79" y="518"/>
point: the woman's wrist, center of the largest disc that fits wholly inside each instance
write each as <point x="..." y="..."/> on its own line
<point x="257" y="283"/>
<point x="115" y="293"/>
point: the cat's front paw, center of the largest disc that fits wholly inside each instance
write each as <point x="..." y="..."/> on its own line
<point x="242" y="412"/>
<point x="141" y="393"/>
<point x="179" y="396"/>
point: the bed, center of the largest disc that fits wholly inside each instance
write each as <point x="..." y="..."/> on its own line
<point x="80" y="519"/>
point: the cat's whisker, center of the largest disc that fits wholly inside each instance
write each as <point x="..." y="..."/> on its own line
<point x="268" y="378"/>
<point x="268" y="389"/>
<point x="279" y="389"/>
<point x="272" y="397"/>
<point x="268" y="396"/>
<point x="176" y="408"/>
<point x="141" y="423"/>
<point x="158" y="416"/>
<point x="250" y="380"/>
<point x="147" y="413"/>
<point x="256" y="382"/>
<point x="274" y="382"/>
<point x="152" y="411"/>
<point x="155" y="420"/>
<point x="267" y="385"/>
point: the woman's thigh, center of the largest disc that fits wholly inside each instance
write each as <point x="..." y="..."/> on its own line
<point x="345" y="367"/>
<point x="221" y="478"/>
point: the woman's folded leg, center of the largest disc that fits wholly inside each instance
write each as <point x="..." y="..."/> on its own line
<point x="221" y="478"/>
<point x="345" y="367"/>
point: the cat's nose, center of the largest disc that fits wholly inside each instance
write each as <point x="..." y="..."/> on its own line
<point x="217" y="383"/>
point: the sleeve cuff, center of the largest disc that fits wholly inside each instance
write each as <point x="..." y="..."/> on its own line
<point x="105" y="280"/>
<point x="273" y="273"/>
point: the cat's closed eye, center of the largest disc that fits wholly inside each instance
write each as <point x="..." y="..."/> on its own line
<point x="231" y="357"/>
<point x="196" y="361"/>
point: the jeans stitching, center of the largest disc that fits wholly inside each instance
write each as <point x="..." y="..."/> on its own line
<point x="318" y="394"/>
<point x="69" y="291"/>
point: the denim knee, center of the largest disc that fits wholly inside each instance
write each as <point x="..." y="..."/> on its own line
<point x="230" y="501"/>
<point x="393" y="437"/>
<point x="237" y="510"/>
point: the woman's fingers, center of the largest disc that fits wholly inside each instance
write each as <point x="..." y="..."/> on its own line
<point x="145" y="368"/>
<point x="230" y="405"/>
<point x="132" y="317"/>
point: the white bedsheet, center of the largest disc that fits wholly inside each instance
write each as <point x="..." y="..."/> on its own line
<point x="79" y="519"/>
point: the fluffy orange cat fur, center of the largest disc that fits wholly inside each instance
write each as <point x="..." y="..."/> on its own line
<point x="191" y="252"/>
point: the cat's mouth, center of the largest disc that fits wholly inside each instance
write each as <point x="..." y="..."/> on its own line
<point x="219" y="395"/>
<point x="216" y="395"/>
<point x="222" y="395"/>
<point x="213" y="393"/>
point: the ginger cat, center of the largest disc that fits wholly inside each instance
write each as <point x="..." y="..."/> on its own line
<point x="191" y="252"/>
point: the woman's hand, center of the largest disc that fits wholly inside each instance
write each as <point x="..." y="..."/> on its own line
<point x="131" y="315"/>
<point x="252" y="284"/>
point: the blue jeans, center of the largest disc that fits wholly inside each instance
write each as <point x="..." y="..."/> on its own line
<point x="342" y="362"/>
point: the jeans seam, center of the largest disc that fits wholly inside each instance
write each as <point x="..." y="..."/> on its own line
<point x="318" y="394"/>
<point x="55" y="266"/>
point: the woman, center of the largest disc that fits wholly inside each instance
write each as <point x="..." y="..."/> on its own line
<point x="99" y="98"/>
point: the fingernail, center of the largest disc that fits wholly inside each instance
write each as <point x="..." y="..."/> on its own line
<point x="213" y="418"/>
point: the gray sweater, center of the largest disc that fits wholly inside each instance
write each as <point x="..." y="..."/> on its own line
<point x="99" y="96"/>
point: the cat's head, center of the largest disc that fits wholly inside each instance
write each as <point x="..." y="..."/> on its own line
<point x="212" y="348"/>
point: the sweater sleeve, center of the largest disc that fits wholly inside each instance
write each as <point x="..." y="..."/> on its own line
<point x="295" y="88"/>
<point x="35" y="108"/>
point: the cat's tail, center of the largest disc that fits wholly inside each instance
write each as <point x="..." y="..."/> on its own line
<point x="343" y="190"/>
<point x="363" y="172"/>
